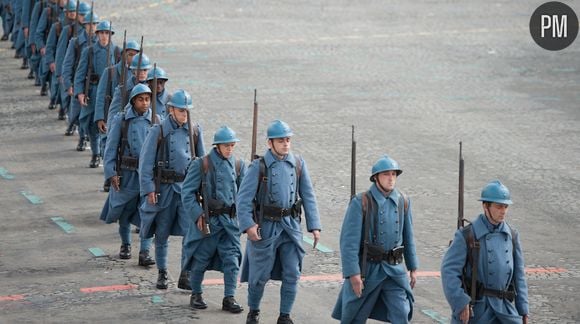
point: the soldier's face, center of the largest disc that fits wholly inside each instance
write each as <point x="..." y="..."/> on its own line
<point x="281" y="146"/>
<point x="387" y="179"/>
<point x="104" y="37"/>
<point x="90" y="28"/>
<point x="71" y="15"/>
<point x="141" y="103"/>
<point x="129" y="55"/>
<point x="226" y="149"/>
<point x="160" y="85"/>
<point x="141" y="75"/>
<point x="497" y="212"/>
<point x="179" y="115"/>
<point x="81" y="19"/>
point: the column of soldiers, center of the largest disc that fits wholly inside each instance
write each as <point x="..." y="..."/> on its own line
<point x="160" y="179"/>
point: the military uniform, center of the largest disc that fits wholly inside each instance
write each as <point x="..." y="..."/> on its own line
<point x="221" y="249"/>
<point x="502" y="293"/>
<point x="278" y="254"/>
<point x="123" y="206"/>
<point x="166" y="217"/>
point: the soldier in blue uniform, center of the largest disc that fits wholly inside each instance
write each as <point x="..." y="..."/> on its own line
<point x="30" y="42"/>
<point x="7" y="18"/>
<point x="166" y="154"/>
<point x="128" y="132"/>
<point x="138" y="75"/>
<point x="27" y="6"/>
<point x="162" y="94"/>
<point x="501" y="294"/>
<point x="96" y="56"/>
<point x="67" y="33"/>
<point x="71" y="60"/>
<point x="216" y="177"/>
<point x="52" y="13"/>
<point x="376" y="284"/>
<point x="274" y="248"/>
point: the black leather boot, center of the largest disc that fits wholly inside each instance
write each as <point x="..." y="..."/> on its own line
<point x="24" y="65"/>
<point x="81" y="145"/>
<point x="230" y="304"/>
<point x="284" y="319"/>
<point x="183" y="282"/>
<point x="95" y="161"/>
<point x="70" y="130"/>
<point x="162" y="281"/>
<point x="125" y="252"/>
<point x="253" y="317"/>
<point x="61" y="114"/>
<point x="145" y="259"/>
<point x="196" y="301"/>
<point x="30" y="75"/>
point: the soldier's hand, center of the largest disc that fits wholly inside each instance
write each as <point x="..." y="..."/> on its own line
<point x="25" y="32"/>
<point x="152" y="198"/>
<point x="102" y="126"/>
<point x="357" y="285"/>
<point x="253" y="234"/>
<point x="464" y="315"/>
<point x="525" y="319"/>
<point x="52" y="67"/>
<point x="200" y="223"/>
<point x="71" y="91"/>
<point x="82" y="99"/>
<point x="43" y="51"/>
<point x="115" y="183"/>
<point x="33" y="48"/>
<point x="315" y="238"/>
<point x="413" y="275"/>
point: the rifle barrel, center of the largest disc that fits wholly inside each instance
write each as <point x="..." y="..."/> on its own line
<point x="460" y="202"/>
<point x="353" y="166"/>
<point x="254" y="126"/>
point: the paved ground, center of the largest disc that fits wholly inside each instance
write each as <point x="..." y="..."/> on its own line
<point x="414" y="78"/>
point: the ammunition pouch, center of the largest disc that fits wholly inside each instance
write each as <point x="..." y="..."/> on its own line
<point x="170" y="176"/>
<point x="129" y="163"/>
<point x="218" y="207"/>
<point x="509" y="294"/>
<point x="93" y="78"/>
<point x="377" y="254"/>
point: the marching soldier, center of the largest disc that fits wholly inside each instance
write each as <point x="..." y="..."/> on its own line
<point x="483" y="270"/>
<point x="71" y="60"/>
<point x="162" y="95"/>
<point x="124" y="143"/>
<point x="166" y="154"/>
<point x="213" y="239"/>
<point x="380" y="221"/>
<point x="52" y="13"/>
<point x="280" y="184"/>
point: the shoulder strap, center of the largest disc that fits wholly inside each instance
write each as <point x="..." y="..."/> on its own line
<point x="366" y="202"/>
<point x="205" y="164"/>
<point x="472" y="258"/>
<point x="238" y="167"/>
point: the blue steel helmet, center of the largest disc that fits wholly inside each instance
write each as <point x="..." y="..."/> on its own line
<point x="496" y="192"/>
<point x="132" y="45"/>
<point x="88" y="16"/>
<point x="279" y="129"/>
<point x="105" y="25"/>
<point x="71" y="5"/>
<point x="84" y="8"/>
<point x="139" y="89"/>
<point x="385" y="163"/>
<point x="180" y="99"/>
<point x="159" y="72"/>
<point x="224" y="135"/>
<point x="145" y="63"/>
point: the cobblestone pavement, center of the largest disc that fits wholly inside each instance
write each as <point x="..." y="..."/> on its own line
<point x="415" y="78"/>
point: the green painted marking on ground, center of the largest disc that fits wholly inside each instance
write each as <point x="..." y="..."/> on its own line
<point x="319" y="246"/>
<point x="435" y="316"/>
<point x="68" y="228"/>
<point x="97" y="252"/>
<point x="32" y="198"/>
<point x="4" y="174"/>
<point x="156" y="299"/>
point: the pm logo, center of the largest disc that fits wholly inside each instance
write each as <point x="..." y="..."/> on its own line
<point x="554" y="26"/>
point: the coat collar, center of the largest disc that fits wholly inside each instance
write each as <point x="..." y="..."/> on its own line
<point x="216" y="157"/>
<point x="482" y="227"/>
<point x="380" y="198"/>
<point x="130" y="113"/>
<point x="269" y="158"/>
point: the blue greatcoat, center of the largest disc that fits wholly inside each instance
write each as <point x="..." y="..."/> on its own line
<point x="167" y="217"/>
<point x="393" y="230"/>
<point x="125" y="202"/>
<point x="102" y="90"/>
<point x="500" y="262"/>
<point x="221" y="250"/>
<point x="116" y="104"/>
<point x="261" y="260"/>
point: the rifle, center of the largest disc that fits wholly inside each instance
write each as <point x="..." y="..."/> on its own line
<point x="89" y="63"/>
<point x="254" y="127"/>
<point x="154" y="95"/>
<point x="460" y="218"/>
<point x="205" y="203"/>
<point x="123" y="81"/>
<point x="110" y="68"/>
<point x="353" y="166"/>
<point x="75" y="23"/>
<point x="124" y="94"/>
